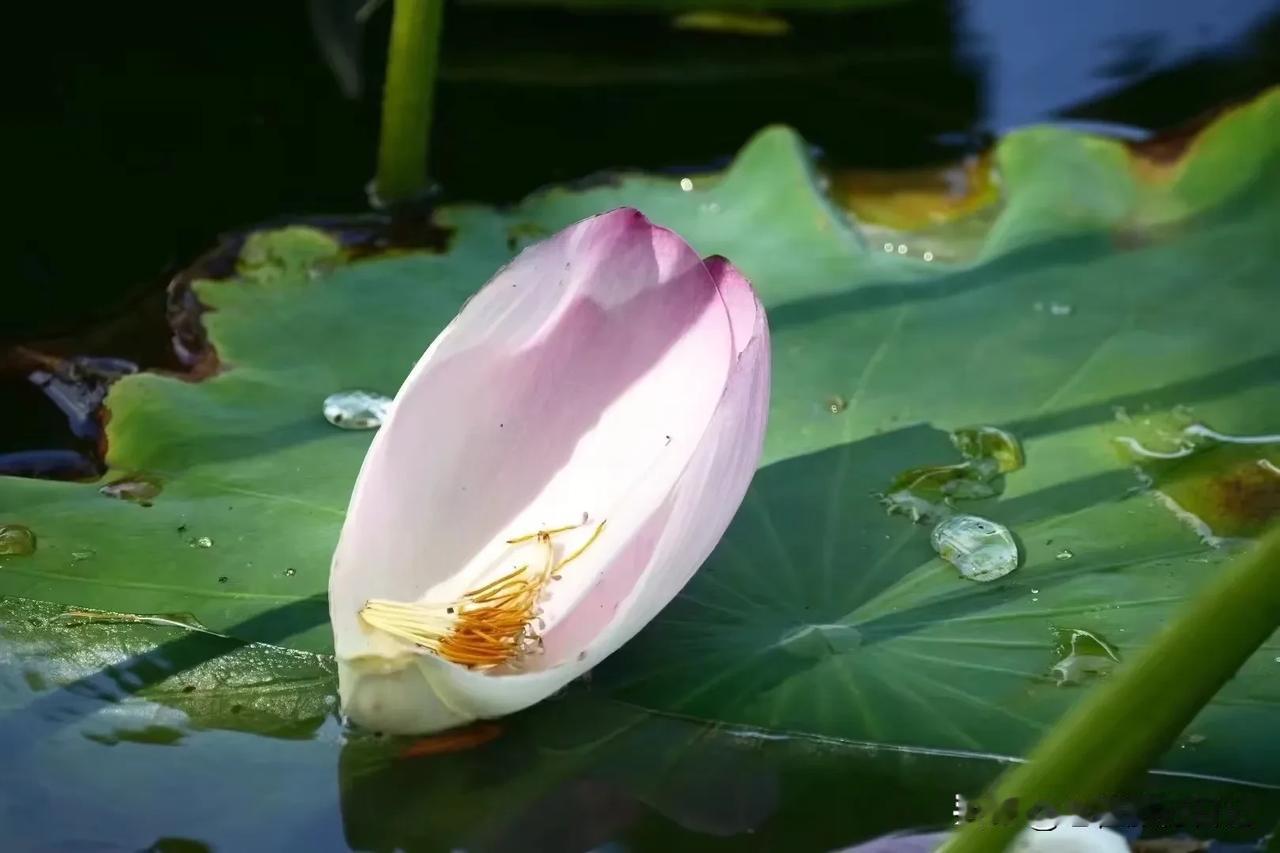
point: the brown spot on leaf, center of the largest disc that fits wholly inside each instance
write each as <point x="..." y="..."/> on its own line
<point x="1249" y="493"/>
<point x="163" y="331"/>
<point x="1159" y="158"/>
<point x="1234" y="489"/>
<point x="1134" y="236"/>
<point x="907" y="200"/>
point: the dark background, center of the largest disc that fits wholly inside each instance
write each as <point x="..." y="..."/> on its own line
<point x="140" y="132"/>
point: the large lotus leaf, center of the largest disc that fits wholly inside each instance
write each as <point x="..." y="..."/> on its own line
<point x="1107" y="281"/>
<point x="819" y="613"/>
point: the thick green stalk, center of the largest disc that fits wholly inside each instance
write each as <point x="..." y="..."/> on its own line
<point x="1125" y="723"/>
<point x="412" y="59"/>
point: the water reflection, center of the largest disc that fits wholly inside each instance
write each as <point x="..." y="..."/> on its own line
<point x="1039" y="60"/>
<point x="930" y="77"/>
<point x="209" y="756"/>
<point x="581" y="771"/>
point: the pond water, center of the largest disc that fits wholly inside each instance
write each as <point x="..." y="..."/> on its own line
<point x="143" y="135"/>
<point x="91" y="766"/>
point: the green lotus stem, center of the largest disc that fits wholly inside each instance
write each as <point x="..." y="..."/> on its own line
<point x="412" y="59"/>
<point x="1125" y="723"/>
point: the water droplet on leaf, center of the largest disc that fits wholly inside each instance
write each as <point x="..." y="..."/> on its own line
<point x="290" y="572"/>
<point x="1081" y="655"/>
<point x="1199" y="430"/>
<point x="1057" y="309"/>
<point x="925" y="493"/>
<point x="988" y="442"/>
<point x="356" y="409"/>
<point x="970" y="490"/>
<point x="137" y="489"/>
<point x="819" y="641"/>
<point x="1140" y="450"/>
<point x="1160" y="435"/>
<point x="981" y="549"/>
<point x="16" y="540"/>
<point x="914" y="507"/>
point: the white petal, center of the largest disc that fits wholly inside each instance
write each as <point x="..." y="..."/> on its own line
<point x="634" y="388"/>
<point x="553" y="393"/>
<point x="668" y="542"/>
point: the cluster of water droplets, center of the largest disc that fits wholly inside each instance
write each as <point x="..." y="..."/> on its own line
<point x="892" y="248"/>
<point x="1055" y="308"/>
<point x="981" y="549"/>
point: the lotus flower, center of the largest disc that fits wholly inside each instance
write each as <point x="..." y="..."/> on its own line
<point x="556" y="467"/>
<point x="1068" y="834"/>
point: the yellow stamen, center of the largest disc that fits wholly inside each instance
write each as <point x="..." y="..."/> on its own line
<point x="585" y="545"/>
<point x="487" y="626"/>
<point x="500" y="581"/>
<point x="542" y="534"/>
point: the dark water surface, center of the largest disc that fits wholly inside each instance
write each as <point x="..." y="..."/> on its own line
<point x="139" y="133"/>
